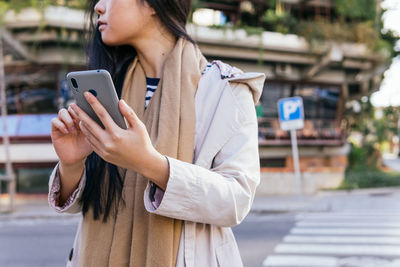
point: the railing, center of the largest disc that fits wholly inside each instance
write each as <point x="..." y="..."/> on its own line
<point x="315" y="132"/>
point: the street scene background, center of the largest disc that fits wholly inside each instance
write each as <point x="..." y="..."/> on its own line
<point x="329" y="194"/>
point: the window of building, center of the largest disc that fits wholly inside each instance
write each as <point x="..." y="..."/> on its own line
<point x="320" y="102"/>
<point x="29" y="180"/>
<point x="33" y="180"/>
<point x="273" y="162"/>
<point x="27" y="100"/>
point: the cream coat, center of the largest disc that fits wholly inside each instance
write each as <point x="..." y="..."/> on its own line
<point x="216" y="192"/>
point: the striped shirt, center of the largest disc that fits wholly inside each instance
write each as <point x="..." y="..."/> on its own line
<point x="156" y="193"/>
<point x="152" y="84"/>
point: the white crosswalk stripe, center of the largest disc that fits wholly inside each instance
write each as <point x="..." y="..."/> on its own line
<point x="346" y="231"/>
<point x="349" y="224"/>
<point x="305" y="261"/>
<point x="349" y="216"/>
<point x="356" y="239"/>
<point x="342" y="239"/>
<point x="339" y="249"/>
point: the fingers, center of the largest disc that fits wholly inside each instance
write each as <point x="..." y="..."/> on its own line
<point x="128" y="113"/>
<point x="66" y="119"/>
<point x="83" y="116"/>
<point x="74" y="116"/>
<point x="59" y="125"/>
<point x="100" y="111"/>
<point x="92" y="140"/>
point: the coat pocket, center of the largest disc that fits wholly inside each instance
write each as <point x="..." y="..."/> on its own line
<point x="228" y="255"/>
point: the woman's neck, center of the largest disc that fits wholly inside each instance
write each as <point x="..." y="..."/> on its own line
<point x="153" y="50"/>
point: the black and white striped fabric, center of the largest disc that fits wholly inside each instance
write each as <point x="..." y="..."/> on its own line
<point x="152" y="84"/>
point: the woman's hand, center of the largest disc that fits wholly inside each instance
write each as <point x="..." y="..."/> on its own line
<point x="130" y="148"/>
<point x="68" y="140"/>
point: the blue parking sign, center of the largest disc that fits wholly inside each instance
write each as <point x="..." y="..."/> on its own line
<point x="291" y="113"/>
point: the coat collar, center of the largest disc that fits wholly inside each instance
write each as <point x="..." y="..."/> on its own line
<point x="254" y="80"/>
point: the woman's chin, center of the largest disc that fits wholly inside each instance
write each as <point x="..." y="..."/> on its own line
<point x="109" y="41"/>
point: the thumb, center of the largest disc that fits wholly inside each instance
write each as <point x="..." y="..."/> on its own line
<point x="128" y="113"/>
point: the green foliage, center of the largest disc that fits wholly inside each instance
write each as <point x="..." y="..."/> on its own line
<point x="359" y="157"/>
<point x="365" y="159"/>
<point x="321" y="30"/>
<point x="18" y="5"/>
<point x="363" y="170"/>
<point x="386" y="127"/>
<point x="374" y="130"/>
<point x="355" y="21"/>
<point x="364" y="177"/>
<point x="3" y="10"/>
<point x="81" y="4"/>
<point x="388" y="39"/>
<point x="356" y="9"/>
<point x="362" y="121"/>
<point x="250" y="30"/>
<point x="357" y="32"/>
<point x="283" y="23"/>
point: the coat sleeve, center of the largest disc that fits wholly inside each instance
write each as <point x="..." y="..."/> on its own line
<point x="222" y="195"/>
<point x="71" y="205"/>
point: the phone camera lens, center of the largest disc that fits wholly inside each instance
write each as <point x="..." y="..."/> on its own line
<point x="74" y="83"/>
<point x="93" y="92"/>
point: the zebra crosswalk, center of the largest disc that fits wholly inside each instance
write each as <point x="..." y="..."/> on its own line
<point x="340" y="239"/>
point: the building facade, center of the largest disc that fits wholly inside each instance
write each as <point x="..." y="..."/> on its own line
<point x="327" y="75"/>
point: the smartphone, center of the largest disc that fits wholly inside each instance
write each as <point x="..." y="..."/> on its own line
<point x="100" y="84"/>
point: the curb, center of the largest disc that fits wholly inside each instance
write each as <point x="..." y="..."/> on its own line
<point x="360" y="191"/>
<point x="325" y="208"/>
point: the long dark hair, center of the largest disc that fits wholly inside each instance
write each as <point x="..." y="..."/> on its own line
<point x="104" y="183"/>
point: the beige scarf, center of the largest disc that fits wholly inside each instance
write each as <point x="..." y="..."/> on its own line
<point x="135" y="237"/>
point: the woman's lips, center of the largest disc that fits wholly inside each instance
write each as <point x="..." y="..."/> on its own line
<point x="102" y="25"/>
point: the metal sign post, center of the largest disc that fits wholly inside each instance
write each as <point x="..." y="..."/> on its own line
<point x="296" y="161"/>
<point x="291" y="118"/>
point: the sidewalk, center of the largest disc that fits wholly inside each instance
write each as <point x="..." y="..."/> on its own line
<point x="284" y="204"/>
<point x="29" y="206"/>
<point x="36" y="207"/>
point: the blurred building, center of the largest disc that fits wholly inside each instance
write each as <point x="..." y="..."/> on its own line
<point x="327" y="75"/>
<point x="41" y="49"/>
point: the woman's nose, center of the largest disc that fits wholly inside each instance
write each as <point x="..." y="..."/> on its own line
<point x="99" y="8"/>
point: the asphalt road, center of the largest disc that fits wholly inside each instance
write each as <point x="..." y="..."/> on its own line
<point x="36" y="243"/>
<point x="257" y="236"/>
<point x="46" y="243"/>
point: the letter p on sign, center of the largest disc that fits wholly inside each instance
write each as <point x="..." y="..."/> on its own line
<point x="291" y="113"/>
<point x="290" y="107"/>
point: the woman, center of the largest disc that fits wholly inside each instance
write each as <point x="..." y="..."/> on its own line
<point x="165" y="191"/>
